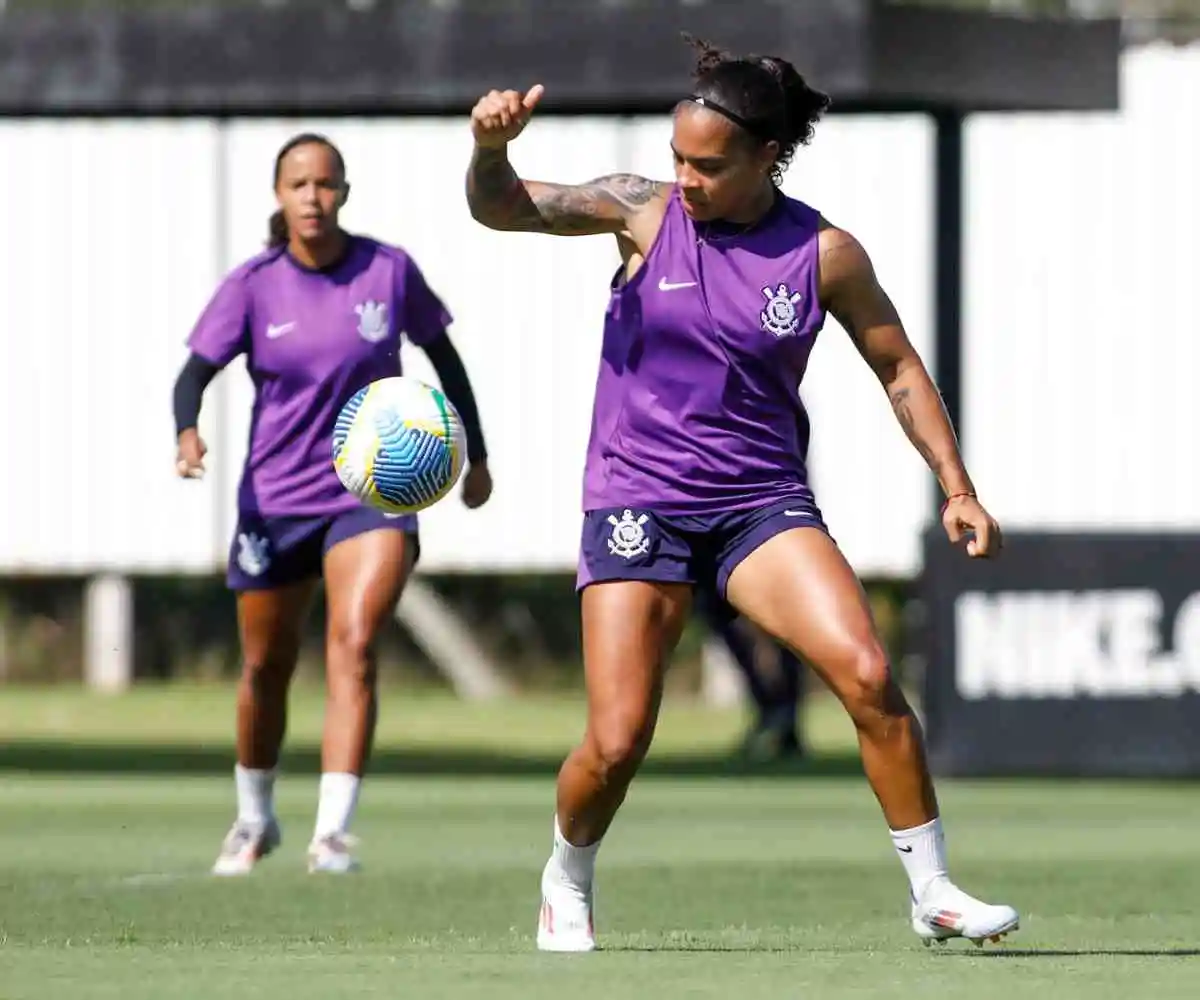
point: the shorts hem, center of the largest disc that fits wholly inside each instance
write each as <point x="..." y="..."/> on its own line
<point x="633" y="577"/>
<point x="739" y="555"/>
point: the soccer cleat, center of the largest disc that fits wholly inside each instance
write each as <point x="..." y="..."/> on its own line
<point x="245" y="845"/>
<point x="565" y="919"/>
<point x="330" y="855"/>
<point x="944" y="911"/>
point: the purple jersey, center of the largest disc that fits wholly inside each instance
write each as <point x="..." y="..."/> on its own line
<point x="697" y="407"/>
<point x="311" y="339"/>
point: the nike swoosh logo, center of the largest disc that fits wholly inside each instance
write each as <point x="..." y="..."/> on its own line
<point x="906" y="850"/>
<point x="796" y="513"/>
<point x="274" y="332"/>
<point x="670" y="286"/>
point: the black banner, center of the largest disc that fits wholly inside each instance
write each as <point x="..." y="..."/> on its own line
<point x="427" y="56"/>
<point x="1071" y="654"/>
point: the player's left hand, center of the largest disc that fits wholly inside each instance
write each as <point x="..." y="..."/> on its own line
<point x="477" y="485"/>
<point x="965" y="515"/>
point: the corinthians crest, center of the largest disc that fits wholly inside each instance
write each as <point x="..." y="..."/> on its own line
<point x="628" y="538"/>
<point x="254" y="553"/>
<point x="372" y="321"/>
<point x="779" y="317"/>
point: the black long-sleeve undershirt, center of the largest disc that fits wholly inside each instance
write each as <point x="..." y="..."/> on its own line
<point x="193" y="379"/>
<point x="452" y="374"/>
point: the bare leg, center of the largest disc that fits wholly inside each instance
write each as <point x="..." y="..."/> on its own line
<point x="630" y="629"/>
<point x="364" y="578"/>
<point x="799" y="587"/>
<point x="270" y="623"/>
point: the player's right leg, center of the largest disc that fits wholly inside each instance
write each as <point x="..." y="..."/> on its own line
<point x="635" y="576"/>
<point x="630" y="628"/>
<point x="272" y="606"/>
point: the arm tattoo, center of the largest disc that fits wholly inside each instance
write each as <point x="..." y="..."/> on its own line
<point x="501" y="200"/>
<point x="900" y="404"/>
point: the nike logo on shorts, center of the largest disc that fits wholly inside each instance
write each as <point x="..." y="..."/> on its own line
<point x="276" y="331"/>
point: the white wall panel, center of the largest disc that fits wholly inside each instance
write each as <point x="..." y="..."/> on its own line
<point x="870" y="176"/>
<point x="108" y="248"/>
<point x="1082" y="299"/>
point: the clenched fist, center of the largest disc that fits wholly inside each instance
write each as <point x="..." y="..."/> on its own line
<point x="501" y="116"/>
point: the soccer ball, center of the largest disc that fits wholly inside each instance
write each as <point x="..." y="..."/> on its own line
<point x="399" y="445"/>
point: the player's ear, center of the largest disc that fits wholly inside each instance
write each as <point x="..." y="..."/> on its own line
<point x="344" y="194"/>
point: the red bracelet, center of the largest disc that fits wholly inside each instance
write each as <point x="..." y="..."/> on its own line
<point x="955" y="496"/>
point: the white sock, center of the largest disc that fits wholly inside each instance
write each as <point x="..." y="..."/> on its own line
<point x="335" y="807"/>
<point x="576" y="865"/>
<point x="922" y="851"/>
<point x="255" y="794"/>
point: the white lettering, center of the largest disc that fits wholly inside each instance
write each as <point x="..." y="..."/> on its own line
<point x="1068" y="644"/>
<point x="1185" y="640"/>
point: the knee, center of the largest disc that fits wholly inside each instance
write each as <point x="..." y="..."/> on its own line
<point x="349" y="656"/>
<point x="619" y="741"/>
<point x="266" y="675"/>
<point x="869" y="690"/>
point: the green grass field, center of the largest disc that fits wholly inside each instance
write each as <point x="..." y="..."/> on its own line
<point x="718" y="880"/>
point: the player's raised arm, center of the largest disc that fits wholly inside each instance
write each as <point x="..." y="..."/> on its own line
<point x="500" y="199"/>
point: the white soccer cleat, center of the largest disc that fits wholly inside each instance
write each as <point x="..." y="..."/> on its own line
<point x="245" y="845"/>
<point x="944" y="911"/>
<point x="565" y="919"/>
<point x="331" y="855"/>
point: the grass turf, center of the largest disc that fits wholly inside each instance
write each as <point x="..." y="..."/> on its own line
<point x="718" y="879"/>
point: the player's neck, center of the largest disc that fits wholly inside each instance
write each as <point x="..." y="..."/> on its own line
<point x="754" y="210"/>
<point x="319" y="254"/>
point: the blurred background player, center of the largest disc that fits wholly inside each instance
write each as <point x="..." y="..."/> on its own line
<point x="727" y="282"/>
<point x="318" y="315"/>
<point x="777" y="691"/>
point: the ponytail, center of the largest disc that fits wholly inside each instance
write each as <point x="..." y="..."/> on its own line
<point x="277" y="230"/>
<point x="765" y="95"/>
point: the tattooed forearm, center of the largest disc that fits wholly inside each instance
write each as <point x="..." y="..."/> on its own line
<point x="501" y="200"/>
<point x="918" y="407"/>
<point x="903" y="411"/>
<point x="495" y="194"/>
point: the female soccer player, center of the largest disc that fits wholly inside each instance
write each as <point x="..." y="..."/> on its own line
<point x="318" y="315"/>
<point x="694" y="471"/>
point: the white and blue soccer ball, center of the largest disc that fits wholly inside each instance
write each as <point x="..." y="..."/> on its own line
<point x="399" y="445"/>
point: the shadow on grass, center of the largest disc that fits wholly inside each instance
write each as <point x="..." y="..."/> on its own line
<point x="56" y="757"/>
<point x="1079" y="953"/>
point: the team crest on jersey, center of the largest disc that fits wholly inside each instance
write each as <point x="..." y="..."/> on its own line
<point x="779" y="317"/>
<point x="372" y="321"/>
<point x="253" y="553"/>
<point x="628" y="538"/>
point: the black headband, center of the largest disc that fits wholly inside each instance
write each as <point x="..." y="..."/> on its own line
<point x="760" y="130"/>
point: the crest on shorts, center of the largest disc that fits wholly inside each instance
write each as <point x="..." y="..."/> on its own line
<point x="628" y="538"/>
<point x="779" y="317"/>
<point x="253" y="553"/>
<point x="372" y="321"/>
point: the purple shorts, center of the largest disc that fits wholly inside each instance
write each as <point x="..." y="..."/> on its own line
<point x="270" y="552"/>
<point x="630" y="544"/>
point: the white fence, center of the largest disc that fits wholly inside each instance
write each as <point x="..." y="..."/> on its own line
<point x="1083" y="247"/>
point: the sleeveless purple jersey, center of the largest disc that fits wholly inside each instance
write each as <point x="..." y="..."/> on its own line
<point x="697" y="407"/>
<point x="311" y="339"/>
